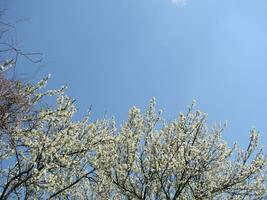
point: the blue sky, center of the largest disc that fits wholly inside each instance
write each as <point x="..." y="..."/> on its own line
<point x="114" y="54"/>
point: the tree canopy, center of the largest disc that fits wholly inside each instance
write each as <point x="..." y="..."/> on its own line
<point x="46" y="154"/>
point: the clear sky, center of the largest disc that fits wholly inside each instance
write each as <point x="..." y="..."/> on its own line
<point x="114" y="54"/>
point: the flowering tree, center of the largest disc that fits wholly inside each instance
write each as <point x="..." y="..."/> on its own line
<point x="182" y="159"/>
<point x="43" y="151"/>
<point x="46" y="154"/>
